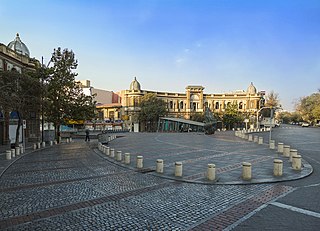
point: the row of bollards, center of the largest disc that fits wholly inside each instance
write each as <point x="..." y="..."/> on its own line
<point x="14" y="152"/>
<point x="20" y="150"/>
<point x="286" y="150"/>
<point x="211" y="169"/>
<point x="39" y="145"/>
<point x="178" y="172"/>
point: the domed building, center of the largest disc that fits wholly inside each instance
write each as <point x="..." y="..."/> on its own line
<point x="135" y="85"/>
<point x="194" y="100"/>
<point x="18" y="46"/>
<point x="16" y="56"/>
<point x="252" y="89"/>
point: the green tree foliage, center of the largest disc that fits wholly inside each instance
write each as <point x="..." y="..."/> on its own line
<point x="65" y="99"/>
<point x="288" y="117"/>
<point x="272" y="99"/>
<point x="309" y="107"/>
<point x="197" y="116"/>
<point x="20" y="92"/>
<point x="232" y="117"/>
<point x="151" y="109"/>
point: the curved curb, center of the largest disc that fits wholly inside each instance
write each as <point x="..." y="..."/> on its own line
<point x="306" y="170"/>
<point x="21" y="156"/>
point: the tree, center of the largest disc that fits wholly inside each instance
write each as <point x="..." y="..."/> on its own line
<point x="309" y="107"/>
<point x="288" y="117"/>
<point x="152" y="109"/>
<point x="232" y="116"/>
<point x="197" y="116"/>
<point x="64" y="98"/>
<point x="18" y="96"/>
<point x="272" y="101"/>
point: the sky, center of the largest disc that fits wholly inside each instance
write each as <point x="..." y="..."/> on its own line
<point x="223" y="45"/>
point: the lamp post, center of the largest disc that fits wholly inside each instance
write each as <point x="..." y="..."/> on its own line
<point x="272" y="110"/>
<point x="43" y="76"/>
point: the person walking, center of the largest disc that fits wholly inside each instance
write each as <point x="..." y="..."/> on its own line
<point x="87" y="135"/>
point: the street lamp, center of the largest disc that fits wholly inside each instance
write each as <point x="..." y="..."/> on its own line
<point x="43" y="76"/>
<point x="272" y="110"/>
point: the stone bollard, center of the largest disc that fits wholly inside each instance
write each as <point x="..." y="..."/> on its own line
<point x="293" y="152"/>
<point x="17" y="151"/>
<point x="286" y="150"/>
<point x="250" y="137"/>
<point x="109" y="138"/>
<point x="260" y="140"/>
<point x="34" y="146"/>
<point x="272" y="144"/>
<point x="13" y="153"/>
<point x="112" y="152"/>
<point x="178" y="169"/>
<point x="70" y="139"/>
<point x="43" y="144"/>
<point x="280" y="147"/>
<point x="127" y="158"/>
<point x="139" y="161"/>
<point x="246" y="171"/>
<point x="38" y="145"/>
<point x="119" y="156"/>
<point x="296" y="162"/>
<point x="211" y="172"/>
<point x="255" y="139"/>
<point x="107" y="151"/>
<point x="277" y="167"/>
<point x="8" y="155"/>
<point x="51" y="142"/>
<point x="159" y="168"/>
<point x="55" y="142"/>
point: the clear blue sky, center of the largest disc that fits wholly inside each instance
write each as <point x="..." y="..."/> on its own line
<point x="222" y="45"/>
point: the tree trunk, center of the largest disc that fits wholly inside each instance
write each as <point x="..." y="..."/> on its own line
<point x="57" y="132"/>
<point x="18" y="130"/>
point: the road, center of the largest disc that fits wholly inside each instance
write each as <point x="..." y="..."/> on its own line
<point x="299" y="209"/>
<point x="76" y="187"/>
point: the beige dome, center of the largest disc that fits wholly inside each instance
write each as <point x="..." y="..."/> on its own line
<point x="18" y="46"/>
<point x="135" y="85"/>
<point x="252" y="89"/>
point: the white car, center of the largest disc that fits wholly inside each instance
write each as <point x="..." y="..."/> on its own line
<point x="304" y="124"/>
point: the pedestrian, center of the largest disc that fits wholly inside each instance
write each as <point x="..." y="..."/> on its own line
<point x="87" y="135"/>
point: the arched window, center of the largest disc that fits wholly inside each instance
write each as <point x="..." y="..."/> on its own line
<point x="136" y="102"/>
<point x="181" y="105"/>
<point x="240" y="105"/>
<point x="194" y="106"/>
<point x="171" y="105"/>
<point x="217" y="105"/>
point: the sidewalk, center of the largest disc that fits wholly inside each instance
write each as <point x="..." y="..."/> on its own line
<point x="195" y="152"/>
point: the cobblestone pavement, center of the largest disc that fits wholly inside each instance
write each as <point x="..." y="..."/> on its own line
<point x="196" y="151"/>
<point x="76" y="187"/>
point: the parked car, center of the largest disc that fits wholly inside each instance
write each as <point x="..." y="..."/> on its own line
<point x="305" y="124"/>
